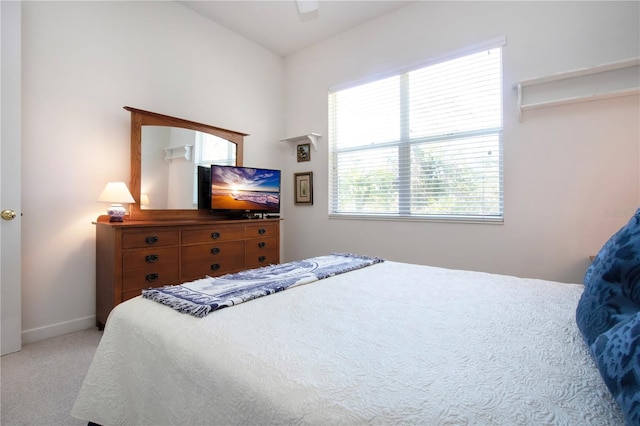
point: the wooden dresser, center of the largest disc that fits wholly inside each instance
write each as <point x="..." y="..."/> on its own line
<point x="134" y="255"/>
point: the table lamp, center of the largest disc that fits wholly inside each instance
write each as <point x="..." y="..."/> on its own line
<point x="144" y="200"/>
<point x="116" y="193"/>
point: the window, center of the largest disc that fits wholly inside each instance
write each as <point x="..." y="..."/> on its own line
<point x="210" y="149"/>
<point x="423" y="144"/>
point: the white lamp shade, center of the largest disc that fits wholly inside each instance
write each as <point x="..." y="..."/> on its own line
<point x="116" y="192"/>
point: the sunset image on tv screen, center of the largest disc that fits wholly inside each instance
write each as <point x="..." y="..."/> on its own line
<point x="245" y="188"/>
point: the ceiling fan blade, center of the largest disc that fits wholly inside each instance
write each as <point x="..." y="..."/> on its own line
<point x="306" y="6"/>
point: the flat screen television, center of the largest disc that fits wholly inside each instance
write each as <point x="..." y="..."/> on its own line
<point x="244" y="190"/>
<point x="204" y="187"/>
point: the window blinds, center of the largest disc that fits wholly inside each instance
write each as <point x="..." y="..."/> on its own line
<point x="423" y="144"/>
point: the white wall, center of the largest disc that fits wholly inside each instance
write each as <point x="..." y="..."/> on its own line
<point x="84" y="61"/>
<point x="571" y="173"/>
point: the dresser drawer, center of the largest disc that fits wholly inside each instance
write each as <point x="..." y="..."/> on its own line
<point x="153" y="237"/>
<point x="212" y="251"/>
<point x="212" y="268"/>
<point x="212" y="234"/>
<point x="131" y="294"/>
<point x="143" y="258"/>
<point x="258" y="231"/>
<point x="255" y="260"/>
<point x="261" y="246"/>
<point x="154" y="276"/>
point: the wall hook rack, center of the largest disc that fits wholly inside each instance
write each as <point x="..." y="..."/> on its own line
<point x="614" y="79"/>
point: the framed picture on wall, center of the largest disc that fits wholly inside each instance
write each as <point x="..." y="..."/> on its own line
<point x="303" y="184"/>
<point x="304" y="152"/>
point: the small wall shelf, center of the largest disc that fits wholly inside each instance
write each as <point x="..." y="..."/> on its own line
<point x="176" y="152"/>
<point x="611" y="80"/>
<point x="310" y="137"/>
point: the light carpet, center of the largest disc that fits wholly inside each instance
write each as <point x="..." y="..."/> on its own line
<point x="39" y="384"/>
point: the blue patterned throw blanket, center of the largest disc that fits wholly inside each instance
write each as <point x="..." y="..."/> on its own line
<point x="202" y="296"/>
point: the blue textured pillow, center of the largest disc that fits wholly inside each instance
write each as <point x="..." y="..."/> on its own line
<point x="617" y="354"/>
<point x="608" y="316"/>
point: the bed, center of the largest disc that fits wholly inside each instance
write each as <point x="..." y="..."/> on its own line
<point x="389" y="343"/>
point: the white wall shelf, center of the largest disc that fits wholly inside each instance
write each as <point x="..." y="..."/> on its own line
<point x="604" y="81"/>
<point x="176" y="152"/>
<point x="310" y="137"/>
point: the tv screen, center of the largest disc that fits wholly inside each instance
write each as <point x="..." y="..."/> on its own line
<point x="244" y="189"/>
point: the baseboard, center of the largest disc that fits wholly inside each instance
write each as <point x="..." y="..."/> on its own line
<point x="55" y="330"/>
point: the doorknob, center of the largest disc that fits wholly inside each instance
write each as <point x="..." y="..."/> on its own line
<point x="8" y="214"/>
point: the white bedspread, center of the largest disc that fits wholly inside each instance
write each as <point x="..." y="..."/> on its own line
<point x="391" y="343"/>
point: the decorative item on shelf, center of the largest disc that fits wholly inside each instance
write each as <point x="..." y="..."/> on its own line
<point x="303" y="183"/>
<point x="116" y="193"/>
<point x="304" y="152"/>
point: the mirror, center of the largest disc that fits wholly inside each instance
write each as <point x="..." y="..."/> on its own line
<point x="165" y="153"/>
<point x="169" y="165"/>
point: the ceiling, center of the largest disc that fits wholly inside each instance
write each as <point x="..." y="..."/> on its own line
<point x="278" y="26"/>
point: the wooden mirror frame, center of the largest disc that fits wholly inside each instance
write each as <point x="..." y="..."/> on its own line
<point x="141" y="118"/>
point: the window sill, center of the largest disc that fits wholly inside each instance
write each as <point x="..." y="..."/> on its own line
<point x="438" y="219"/>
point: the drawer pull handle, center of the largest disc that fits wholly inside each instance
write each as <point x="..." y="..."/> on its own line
<point x="262" y="258"/>
<point x="215" y="266"/>
<point x="215" y="235"/>
<point x="151" y="258"/>
<point x="262" y="244"/>
<point x="152" y="239"/>
<point x="215" y="250"/>
<point x="151" y="277"/>
<point x="262" y="231"/>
